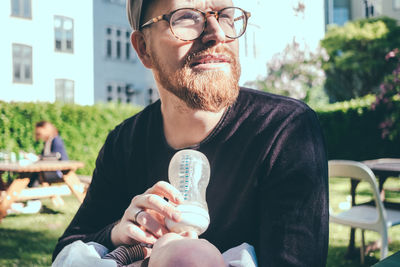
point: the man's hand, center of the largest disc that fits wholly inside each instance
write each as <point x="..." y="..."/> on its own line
<point x="148" y="225"/>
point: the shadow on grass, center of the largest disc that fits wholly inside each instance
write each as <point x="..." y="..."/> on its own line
<point x="337" y="256"/>
<point x="47" y="210"/>
<point x="25" y="247"/>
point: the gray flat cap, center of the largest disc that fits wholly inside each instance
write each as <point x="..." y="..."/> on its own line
<point x="134" y="11"/>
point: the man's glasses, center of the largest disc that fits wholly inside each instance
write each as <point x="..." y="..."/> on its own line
<point x="188" y="24"/>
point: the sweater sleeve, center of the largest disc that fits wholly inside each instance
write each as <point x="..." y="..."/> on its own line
<point x="103" y="205"/>
<point x="294" y="217"/>
<point x="57" y="145"/>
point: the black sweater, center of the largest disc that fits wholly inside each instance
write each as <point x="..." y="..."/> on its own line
<point x="268" y="184"/>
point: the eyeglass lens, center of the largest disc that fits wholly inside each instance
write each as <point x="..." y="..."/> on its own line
<point x="188" y="24"/>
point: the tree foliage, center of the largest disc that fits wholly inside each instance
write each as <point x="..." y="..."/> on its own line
<point x="296" y="72"/>
<point x="357" y="50"/>
<point x="385" y="100"/>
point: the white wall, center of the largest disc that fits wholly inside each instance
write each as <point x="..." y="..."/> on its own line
<point x="48" y="65"/>
<point x="5" y="51"/>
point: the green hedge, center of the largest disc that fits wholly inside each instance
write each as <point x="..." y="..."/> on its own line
<point x="83" y="128"/>
<point x="351" y="128"/>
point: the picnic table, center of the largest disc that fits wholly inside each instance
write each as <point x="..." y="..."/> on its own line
<point x="17" y="190"/>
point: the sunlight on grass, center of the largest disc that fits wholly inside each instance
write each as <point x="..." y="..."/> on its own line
<point x="339" y="235"/>
<point x="29" y="240"/>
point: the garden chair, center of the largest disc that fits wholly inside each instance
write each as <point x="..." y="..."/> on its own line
<point x="366" y="217"/>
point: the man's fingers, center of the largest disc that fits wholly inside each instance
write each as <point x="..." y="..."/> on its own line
<point x="156" y="203"/>
<point x="166" y="190"/>
<point x="143" y="220"/>
<point x="140" y="235"/>
<point x="151" y="224"/>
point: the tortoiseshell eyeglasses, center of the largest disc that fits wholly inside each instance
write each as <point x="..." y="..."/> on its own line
<point x="188" y="24"/>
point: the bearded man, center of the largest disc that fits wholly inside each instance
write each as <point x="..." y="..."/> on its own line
<point x="268" y="185"/>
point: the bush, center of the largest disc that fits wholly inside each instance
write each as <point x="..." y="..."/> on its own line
<point x="357" y="50"/>
<point x="389" y="92"/>
<point x="352" y="130"/>
<point x="83" y="128"/>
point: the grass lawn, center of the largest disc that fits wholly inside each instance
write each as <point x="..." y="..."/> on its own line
<point x="28" y="240"/>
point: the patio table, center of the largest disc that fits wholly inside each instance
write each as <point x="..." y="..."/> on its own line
<point x="17" y="190"/>
<point x="384" y="168"/>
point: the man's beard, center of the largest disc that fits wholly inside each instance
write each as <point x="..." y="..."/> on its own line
<point x="209" y="90"/>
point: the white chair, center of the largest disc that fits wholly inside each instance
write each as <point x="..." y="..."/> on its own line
<point x="365" y="217"/>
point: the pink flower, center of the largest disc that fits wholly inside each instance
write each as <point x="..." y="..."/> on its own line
<point x="392" y="53"/>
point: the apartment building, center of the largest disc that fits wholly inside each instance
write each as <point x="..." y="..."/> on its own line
<point x="46" y="51"/>
<point x="70" y="51"/>
<point x="340" y="11"/>
<point x="119" y="76"/>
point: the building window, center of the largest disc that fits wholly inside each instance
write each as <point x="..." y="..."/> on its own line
<point x="65" y="90"/>
<point x="341" y="11"/>
<point x="118" y="2"/>
<point x="22" y="63"/>
<point x="118" y="45"/>
<point x="64" y="34"/>
<point x="21" y="8"/>
<point x="150" y="96"/>
<point x="128" y="46"/>
<point x="338" y="11"/>
<point x="396" y="4"/>
<point x="121" y="93"/>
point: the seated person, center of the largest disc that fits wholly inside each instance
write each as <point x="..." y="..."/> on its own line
<point x="53" y="147"/>
<point x="53" y="144"/>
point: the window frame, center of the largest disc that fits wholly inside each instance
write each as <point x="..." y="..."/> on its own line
<point x="22" y="65"/>
<point x="396" y="5"/>
<point x="118" y="93"/>
<point x="21" y="7"/>
<point x="64" y="39"/>
<point x="64" y="92"/>
<point x="118" y="47"/>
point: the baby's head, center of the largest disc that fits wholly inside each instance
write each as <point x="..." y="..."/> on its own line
<point x="180" y="250"/>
